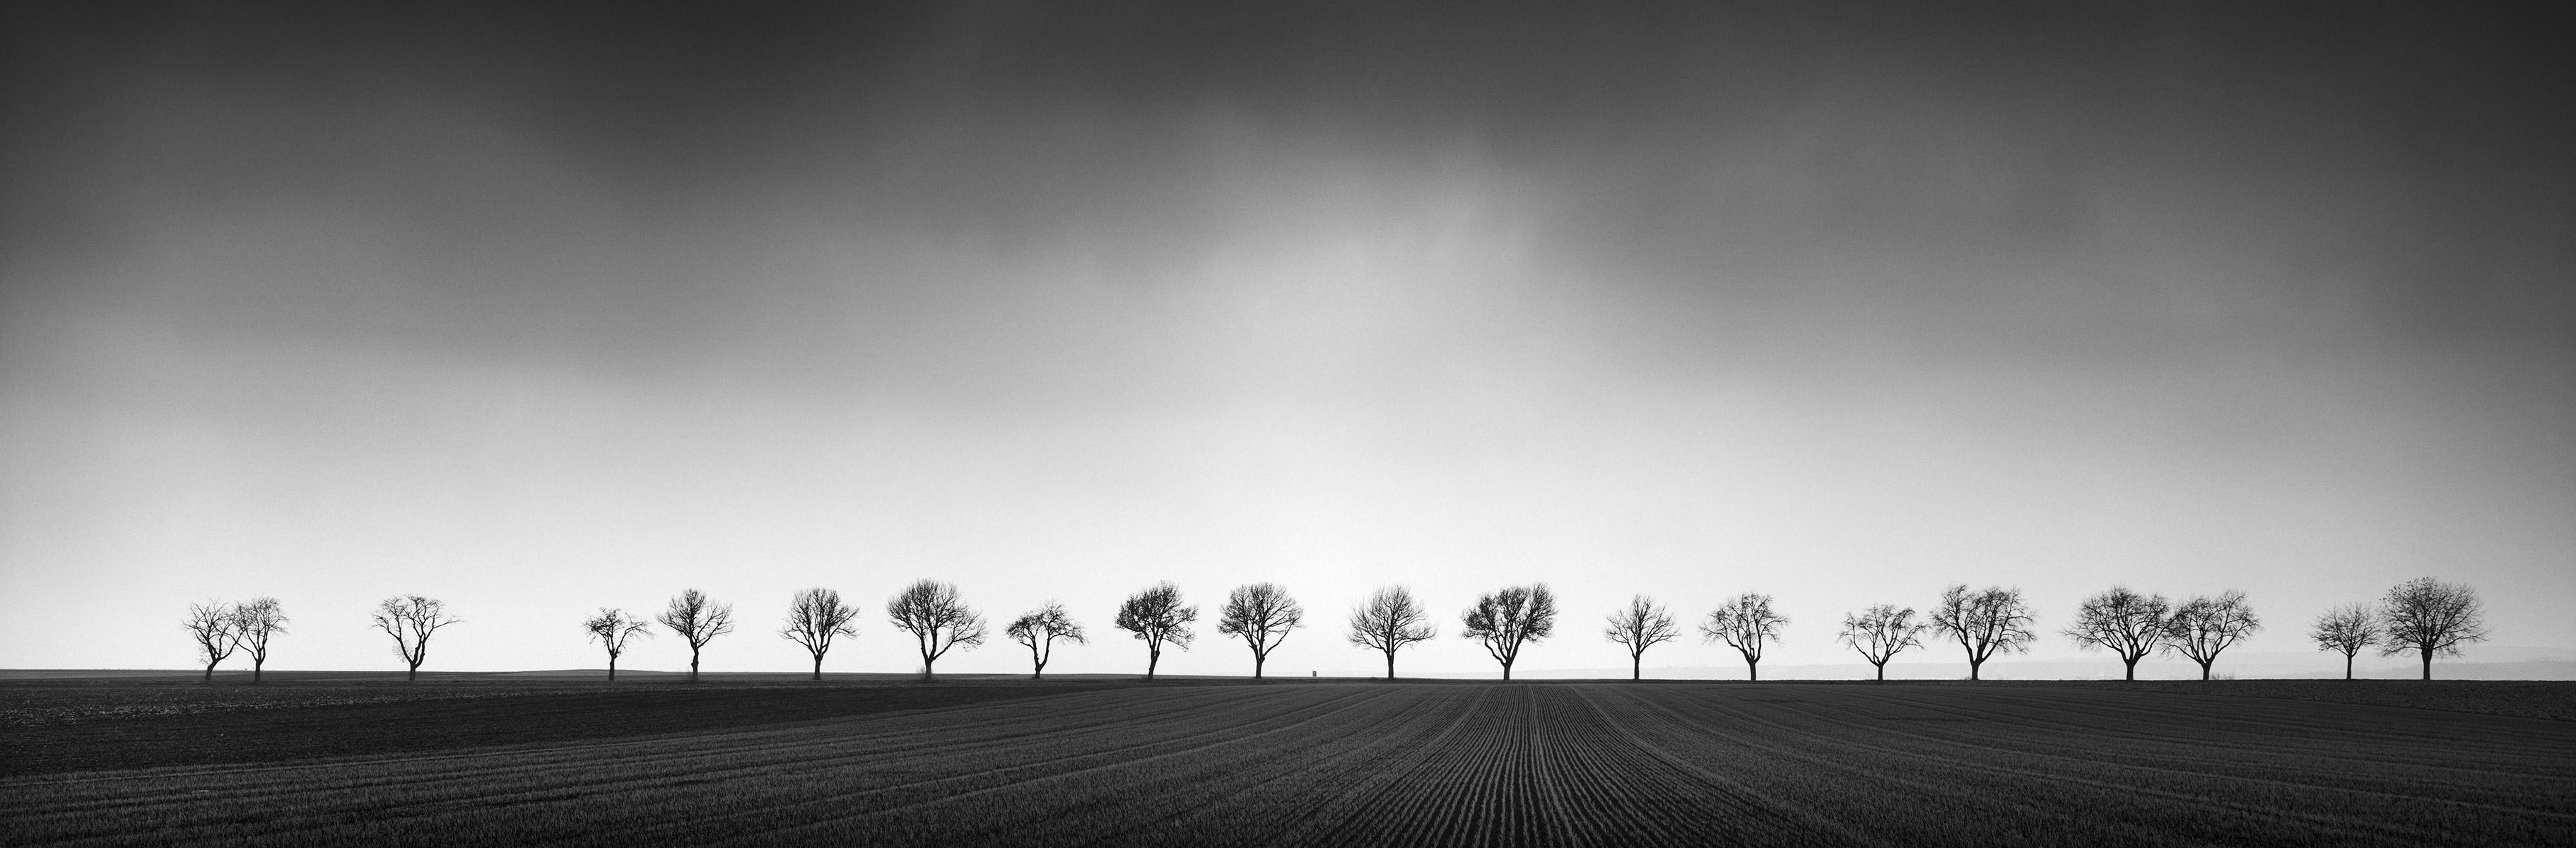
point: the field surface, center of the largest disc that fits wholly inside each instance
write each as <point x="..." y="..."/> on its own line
<point x="1312" y="763"/>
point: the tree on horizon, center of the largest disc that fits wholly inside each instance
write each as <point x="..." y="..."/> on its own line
<point x="2204" y="626"/>
<point x="2346" y="630"/>
<point x="257" y="620"/>
<point x="1744" y="624"/>
<point x="1984" y="622"/>
<point x="216" y="627"/>
<point x="937" y="617"/>
<point x="411" y="620"/>
<point x="814" y="616"/>
<point x="697" y="620"/>
<point x="1881" y="631"/>
<point x="1640" y="625"/>
<point x="1505" y="621"/>
<point x="1390" y="620"/>
<point x="2129" y="624"/>
<point x="1040" y="628"/>
<point x="1262" y="614"/>
<point x="613" y="628"/>
<point x="1157" y="616"/>
<point x="2429" y="617"/>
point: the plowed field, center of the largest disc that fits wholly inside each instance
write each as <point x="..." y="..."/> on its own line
<point x="1407" y="764"/>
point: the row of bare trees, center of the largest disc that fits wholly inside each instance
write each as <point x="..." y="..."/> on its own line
<point x="221" y="628"/>
<point x="2423" y="616"/>
<point x="2134" y="625"/>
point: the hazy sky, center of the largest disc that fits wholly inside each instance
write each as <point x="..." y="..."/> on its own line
<point x="542" y="312"/>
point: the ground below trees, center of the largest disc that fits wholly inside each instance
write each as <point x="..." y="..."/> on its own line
<point x="1290" y="762"/>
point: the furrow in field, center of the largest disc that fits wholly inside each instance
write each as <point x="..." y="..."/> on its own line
<point x="2432" y="773"/>
<point x="2359" y="739"/>
<point x="396" y="791"/>
<point x="2153" y="800"/>
<point x="1979" y="783"/>
<point x="1201" y="739"/>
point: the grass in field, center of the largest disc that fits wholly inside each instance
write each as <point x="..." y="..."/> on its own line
<point x="1355" y="763"/>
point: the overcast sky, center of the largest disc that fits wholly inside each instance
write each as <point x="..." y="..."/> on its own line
<point x="537" y="313"/>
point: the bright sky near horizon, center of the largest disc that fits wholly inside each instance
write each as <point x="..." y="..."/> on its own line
<point x="539" y="311"/>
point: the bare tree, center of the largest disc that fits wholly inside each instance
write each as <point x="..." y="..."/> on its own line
<point x="217" y="629"/>
<point x="2127" y="623"/>
<point x="1879" y="632"/>
<point x="1983" y="622"/>
<point x="411" y="620"/>
<point x="1262" y="614"/>
<point x="256" y="620"/>
<point x="613" y="628"/>
<point x="1745" y="623"/>
<point x="1157" y="616"/>
<point x="813" y="618"/>
<point x="1641" y="625"/>
<point x="1389" y="621"/>
<point x="1504" y="621"/>
<point x="2204" y="626"/>
<point x="937" y="618"/>
<point x="698" y="620"/>
<point x="2347" y="630"/>
<point x="2430" y="617"/>
<point x="1039" y="630"/>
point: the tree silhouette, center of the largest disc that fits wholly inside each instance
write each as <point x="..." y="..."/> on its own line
<point x="1504" y="621"/>
<point x="1040" y="628"/>
<point x="1879" y="632"/>
<point x="1389" y="621"/>
<point x="217" y="629"/>
<point x="2204" y="626"/>
<point x="2347" y="630"/>
<point x="1158" y="617"/>
<point x="411" y="620"/>
<point x="1745" y="623"/>
<point x="697" y="620"/>
<point x="1262" y="614"/>
<point x="814" y="616"/>
<point x="2430" y="617"/>
<point x="257" y="620"/>
<point x="2127" y="623"/>
<point x="1983" y="622"/>
<point x="1639" y="626"/>
<point x="937" y="618"/>
<point x="613" y="628"/>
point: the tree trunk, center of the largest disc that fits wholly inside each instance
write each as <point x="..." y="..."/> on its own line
<point x="1972" y="668"/>
<point x="210" y="671"/>
<point x="925" y="667"/>
<point x="2428" y="663"/>
<point x="254" y="669"/>
<point x="413" y="673"/>
<point x="1882" y="672"/>
<point x="1390" y="665"/>
<point x="818" y="666"/>
<point x="1507" y="671"/>
<point x="2204" y="668"/>
<point x="2347" y="666"/>
<point x="1256" y="666"/>
<point x="1636" y="666"/>
<point x="1153" y="657"/>
<point x="1752" y="669"/>
<point x="2132" y="673"/>
<point x="693" y="665"/>
<point x="612" y="668"/>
